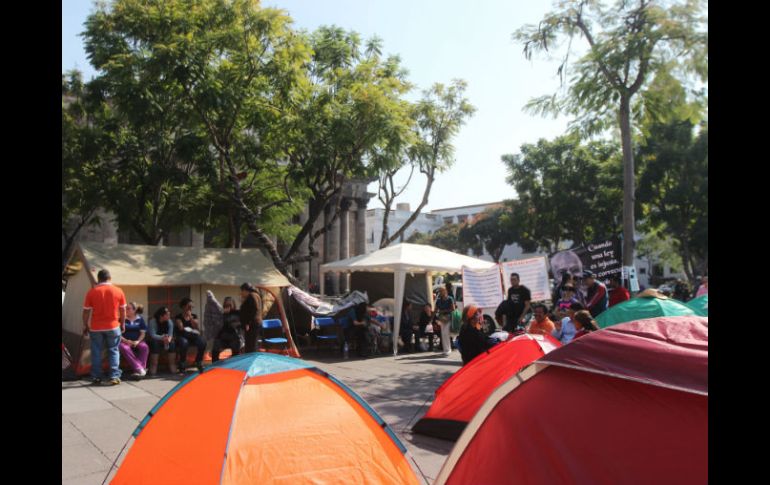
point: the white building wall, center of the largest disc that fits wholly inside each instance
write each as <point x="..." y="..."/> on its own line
<point x="425" y="223"/>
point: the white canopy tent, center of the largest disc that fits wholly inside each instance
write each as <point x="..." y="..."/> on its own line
<point x="401" y="259"/>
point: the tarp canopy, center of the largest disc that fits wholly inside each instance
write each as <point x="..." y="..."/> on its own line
<point x="134" y="264"/>
<point x="642" y="307"/>
<point x="625" y="404"/>
<point x="256" y="427"/>
<point x="700" y="305"/>
<point x="401" y="259"/>
<point x="317" y="307"/>
<point x="460" y="397"/>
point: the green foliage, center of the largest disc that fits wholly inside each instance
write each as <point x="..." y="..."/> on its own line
<point x="566" y="191"/>
<point x="490" y="230"/>
<point x="629" y="43"/>
<point x="446" y="237"/>
<point x="673" y="189"/>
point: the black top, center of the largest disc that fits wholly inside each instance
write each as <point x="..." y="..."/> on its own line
<point x="424" y="319"/>
<point x="185" y="323"/>
<point x="517" y="297"/>
<point x="231" y="322"/>
<point x="472" y="342"/>
<point x="251" y="311"/>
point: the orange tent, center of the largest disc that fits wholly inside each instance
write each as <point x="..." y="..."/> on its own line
<point x="264" y="418"/>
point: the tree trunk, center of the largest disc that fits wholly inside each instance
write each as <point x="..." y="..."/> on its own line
<point x="629" y="185"/>
<point x="384" y="241"/>
<point x="413" y="217"/>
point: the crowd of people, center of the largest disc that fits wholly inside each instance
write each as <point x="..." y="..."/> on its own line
<point x="576" y="302"/>
<point x="118" y="327"/>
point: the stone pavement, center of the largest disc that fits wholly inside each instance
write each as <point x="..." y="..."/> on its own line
<point x="98" y="421"/>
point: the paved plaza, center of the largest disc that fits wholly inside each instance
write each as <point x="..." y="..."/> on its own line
<point x="98" y="421"/>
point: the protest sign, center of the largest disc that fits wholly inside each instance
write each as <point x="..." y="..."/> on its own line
<point x="482" y="287"/>
<point x="533" y="274"/>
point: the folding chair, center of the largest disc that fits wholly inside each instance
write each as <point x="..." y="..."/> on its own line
<point x="325" y="326"/>
<point x="269" y="328"/>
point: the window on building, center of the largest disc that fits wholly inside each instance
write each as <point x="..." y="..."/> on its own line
<point x="462" y="218"/>
<point x="169" y="296"/>
<point x="642" y="270"/>
<point x="448" y="220"/>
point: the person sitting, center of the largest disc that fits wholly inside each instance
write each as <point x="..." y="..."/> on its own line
<point x="359" y="329"/>
<point x="541" y="325"/>
<point x="596" y="294"/>
<point x="471" y="339"/>
<point x="132" y="346"/>
<point x="408" y="327"/>
<point x="187" y="332"/>
<point x="229" y="336"/>
<point x="424" y="324"/>
<point x="162" y="337"/>
<point x="584" y="323"/>
<point x="565" y="328"/>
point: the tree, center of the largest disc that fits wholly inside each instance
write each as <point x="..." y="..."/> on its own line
<point x="674" y="189"/>
<point x="351" y="119"/>
<point x="446" y="237"/>
<point x="234" y="67"/>
<point x="84" y="146"/>
<point x="489" y="230"/>
<point x="567" y="191"/>
<point x="438" y="118"/>
<point x="628" y="44"/>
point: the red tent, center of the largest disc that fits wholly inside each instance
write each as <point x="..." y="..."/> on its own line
<point x="626" y="404"/>
<point x="460" y="396"/>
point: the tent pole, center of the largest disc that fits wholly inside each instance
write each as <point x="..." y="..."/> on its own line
<point x="399" y="279"/>
<point x="322" y="280"/>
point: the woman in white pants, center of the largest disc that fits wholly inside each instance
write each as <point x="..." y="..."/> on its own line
<point x="445" y="305"/>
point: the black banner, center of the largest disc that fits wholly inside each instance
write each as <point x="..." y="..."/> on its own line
<point x="602" y="257"/>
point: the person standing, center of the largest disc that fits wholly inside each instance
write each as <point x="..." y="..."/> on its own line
<point x="520" y="299"/>
<point x="618" y="294"/>
<point x="596" y="294"/>
<point x="104" y="314"/>
<point x="251" y="315"/>
<point x="703" y="289"/>
<point x="445" y="305"/>
<point x="188" y="332"/>
<point x="132" y="346"/>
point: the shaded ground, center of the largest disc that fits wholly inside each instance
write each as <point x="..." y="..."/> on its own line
<point x="98" y="421"/>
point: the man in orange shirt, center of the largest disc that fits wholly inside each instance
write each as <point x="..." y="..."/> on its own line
<point x="542" y="324"/>
<point x="104" y="315"/>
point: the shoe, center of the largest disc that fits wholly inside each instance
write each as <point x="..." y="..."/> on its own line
<point x="113" y="382"/>
<point x="95" y="381"/>
<point x="140" y="373"/>
<point x="199" y="365"/>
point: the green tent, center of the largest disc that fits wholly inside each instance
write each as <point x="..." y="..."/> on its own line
<point x="700" y="305"/>
<point x="642" y="306"/>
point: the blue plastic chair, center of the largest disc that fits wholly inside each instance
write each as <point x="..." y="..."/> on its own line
<point x="326" y="323"/>
<point x="272" y="324"/>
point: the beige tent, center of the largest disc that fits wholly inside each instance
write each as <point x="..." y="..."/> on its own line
<point x="400" y="260"/>
<point x="160" y="275"/>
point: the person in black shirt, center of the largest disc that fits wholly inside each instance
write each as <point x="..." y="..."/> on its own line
<point x="519" y="298"/>
<point x="251" y="316"/>
<point x="426" y="318"/>
<point x="187" y="331"/>
<point x="472" y="340"/>
<point x="228" y="337"/>
<point x="408" y="327"/>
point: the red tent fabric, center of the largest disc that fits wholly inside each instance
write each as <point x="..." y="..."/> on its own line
<point x="459" y="398"/>
<point x="626" y="404"/>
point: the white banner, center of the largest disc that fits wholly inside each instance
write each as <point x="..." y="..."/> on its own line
<point x="482" y="287"/>
<point x="533" y="274"/>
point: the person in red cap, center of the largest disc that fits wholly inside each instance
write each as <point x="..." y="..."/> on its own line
<point x="472" y="340"/>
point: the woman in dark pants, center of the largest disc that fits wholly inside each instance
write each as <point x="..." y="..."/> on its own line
<point x="188" y="332"/>
<point x="251" y="315"/>
<point x="228" y="337"/>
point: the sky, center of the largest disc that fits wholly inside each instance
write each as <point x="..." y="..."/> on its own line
<point x="438" y="41"/>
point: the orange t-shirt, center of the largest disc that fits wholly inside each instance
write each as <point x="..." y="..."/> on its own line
<point x="543" y="328"/>
<point x="104" y="300"/>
